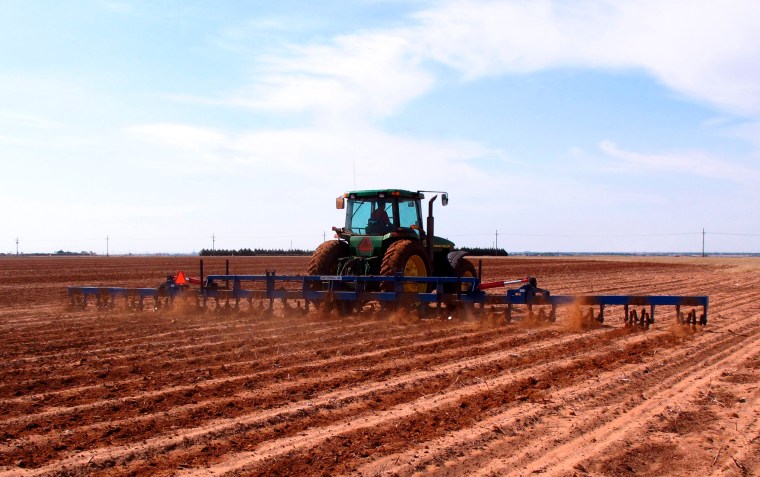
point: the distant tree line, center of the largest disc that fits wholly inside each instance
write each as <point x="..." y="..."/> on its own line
<point x="485" y="252"/>
<point x="45" y="254"/>
<point x="247" y="252"/>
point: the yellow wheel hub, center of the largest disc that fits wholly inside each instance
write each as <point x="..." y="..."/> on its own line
<point x="415" y="267"/>
<point x="465" y="286"/>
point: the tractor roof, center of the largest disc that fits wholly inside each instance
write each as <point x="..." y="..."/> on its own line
<point x="384" y="193"/>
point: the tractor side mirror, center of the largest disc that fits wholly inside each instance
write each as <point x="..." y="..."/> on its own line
<point x="340" y="203"/>
<point x="444" y="199"/>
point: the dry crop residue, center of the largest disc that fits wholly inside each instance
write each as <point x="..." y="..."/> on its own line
<point x="181" y="392"/>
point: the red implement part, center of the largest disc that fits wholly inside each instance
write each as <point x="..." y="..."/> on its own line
<point x="502" y="283"/>
<point x="181" y="279"/>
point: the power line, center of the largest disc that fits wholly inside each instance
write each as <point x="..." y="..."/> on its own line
<point x="579" y="235"/>
<point x="733" y="234"/>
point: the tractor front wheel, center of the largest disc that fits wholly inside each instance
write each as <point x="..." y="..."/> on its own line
<point x="325" y="259"/>
<point x="408" y="258"/>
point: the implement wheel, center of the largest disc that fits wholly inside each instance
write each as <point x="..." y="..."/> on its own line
<point x="408" y="258"/>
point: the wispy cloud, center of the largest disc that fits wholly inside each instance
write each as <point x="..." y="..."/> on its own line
<point x="16" y="119"/>
<point x="320" y="152"/>
<point x="363" y="76"/>
<point x="701" y="49"/>
<point x="685" y="164"/>
<point x="750" y="132"/>
<point x="119" y="7"/>
<point x="324" y="96"/>
<point x="180" y="135"/>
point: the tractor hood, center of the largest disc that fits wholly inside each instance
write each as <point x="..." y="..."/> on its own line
<point x="440" y="242"/>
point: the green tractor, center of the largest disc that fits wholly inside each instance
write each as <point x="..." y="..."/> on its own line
<point x="383" y="235"/>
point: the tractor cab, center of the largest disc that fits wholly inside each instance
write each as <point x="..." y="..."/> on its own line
<point x="381" y="212"/>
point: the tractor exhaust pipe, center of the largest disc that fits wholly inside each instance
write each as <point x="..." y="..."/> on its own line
<point x="430" y="228"/>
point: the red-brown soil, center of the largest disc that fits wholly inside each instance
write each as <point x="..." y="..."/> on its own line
<point x="184" y="392"/>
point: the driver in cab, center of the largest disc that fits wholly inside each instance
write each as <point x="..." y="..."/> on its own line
<point x="379" y="222"/>
<point x="380" y="214"/>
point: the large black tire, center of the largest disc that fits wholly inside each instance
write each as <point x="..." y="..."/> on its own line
<point x="408" y="258"/>
<point x="466" y="269"/>
<point x="460" y="267"/>
<point x="324" y="261"/>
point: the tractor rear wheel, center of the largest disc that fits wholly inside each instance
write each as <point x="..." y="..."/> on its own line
<point x="324" y="261"/>
<point x="408" y="258"/>
<point x="460" y="267"/>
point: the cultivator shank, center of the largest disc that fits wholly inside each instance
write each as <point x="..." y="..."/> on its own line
<point x="105" y="298"/>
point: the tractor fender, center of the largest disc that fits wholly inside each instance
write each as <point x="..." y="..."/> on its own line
<point x="454" y="258"/>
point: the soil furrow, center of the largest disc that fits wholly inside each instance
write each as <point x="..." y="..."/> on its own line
<point x="669" y="368"/>
<point x="120" y="393"/>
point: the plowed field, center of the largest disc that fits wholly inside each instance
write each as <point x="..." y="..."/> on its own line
<point x="181" y="392"/>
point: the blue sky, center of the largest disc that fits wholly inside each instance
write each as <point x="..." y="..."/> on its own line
<point x="609" y="126"/>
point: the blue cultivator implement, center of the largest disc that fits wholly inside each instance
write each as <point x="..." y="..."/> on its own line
<point x="270" y="293"/>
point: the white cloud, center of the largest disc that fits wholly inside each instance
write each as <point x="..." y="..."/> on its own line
<point x="380" y="158"/>
<point x="16" y="119"/>
<point x="750" y="132"/>
<point x="180" y="136"/>
<point x="703" y="49"/>
<point x="122" y="8"/>
<point x="366" y="75"/>
<point x="689" y="163"/>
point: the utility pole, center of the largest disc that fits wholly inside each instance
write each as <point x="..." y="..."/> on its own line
<point x="17" y="245"/>
<point x="497" y="243"/>
<point x="703" y="241"/>
<point x="324" y="236"/>
<point x="213" y="242"/>
<point x="107" y="254"/>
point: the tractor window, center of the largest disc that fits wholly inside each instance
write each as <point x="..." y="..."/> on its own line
<point x="408" y="214"/>
<point x="369" y="216"/>
<point x="357" y="215"/>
